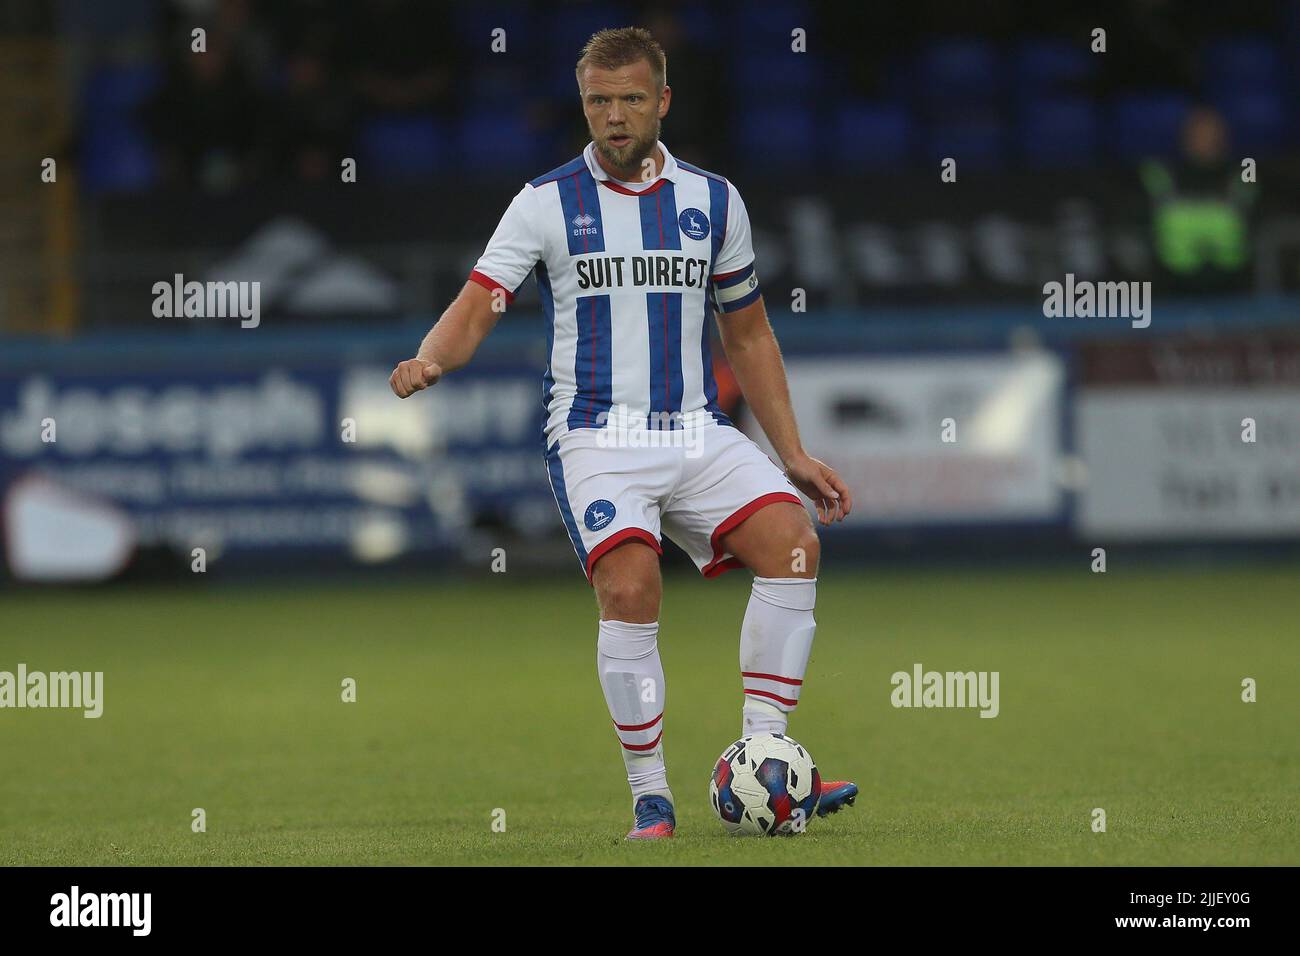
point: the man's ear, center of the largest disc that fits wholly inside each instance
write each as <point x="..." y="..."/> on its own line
<point x="665" y="98"/>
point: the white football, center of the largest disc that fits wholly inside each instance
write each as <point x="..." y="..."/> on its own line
<point x="765" y="784"/>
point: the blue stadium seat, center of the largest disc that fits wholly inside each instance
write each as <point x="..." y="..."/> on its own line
<point x="954" y="73"/>
<point x="1045" y="66"/>
<point x="498" y="141"/>
<point x="781" y="74"/>
<point x="474" y="23"/>
<point x="702" y="23"/>
<point x="977" y="140"/>
<point x="116" y="156"/>
<point x="497" y="84"/>
<point x="116" y="153"/>
<point x="873" y="135"/>
<point x="571" y="27"/>
<point x="404" y="147"/>
<point x="122" y="89"/>
<point x="1240" y="64"/>
<point x="783" y="136"/>
<point x="1257" y="121"/>
<point x="1060" y="131"/>
<point x="768" y="26"/>
<point x="1147" y="124"/>
<point x="556" y="79"/>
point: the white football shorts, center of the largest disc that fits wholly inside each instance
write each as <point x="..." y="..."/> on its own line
<point x="698" y="483"/>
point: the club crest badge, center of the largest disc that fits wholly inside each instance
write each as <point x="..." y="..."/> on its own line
<point x="599" y="514"/>
<point x="693" y="223"/>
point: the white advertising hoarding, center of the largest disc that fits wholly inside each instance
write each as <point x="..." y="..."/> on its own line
<point x="928" y="440"/>
<point x="1190" y="462"/>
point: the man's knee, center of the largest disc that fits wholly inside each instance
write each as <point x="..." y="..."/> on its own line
<point x="792" y="548"/>
<point x="805" y="552"/>
<point x="627" y="584"/>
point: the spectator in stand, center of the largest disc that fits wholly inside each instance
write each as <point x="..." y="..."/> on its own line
<point x="693" y="122"/>
<point x="1200" y="210"/>
<point x="206" y="118"/>
<point x="402" y="56"/>
<point x="311" y="123"/>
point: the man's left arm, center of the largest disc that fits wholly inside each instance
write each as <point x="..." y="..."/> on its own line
<point x="755" y="359"/>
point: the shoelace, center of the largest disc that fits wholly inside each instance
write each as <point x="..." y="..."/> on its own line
<point x="652" y="812"/>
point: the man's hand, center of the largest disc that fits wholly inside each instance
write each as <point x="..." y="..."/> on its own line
<point x="818" y="481"/>
<point x="413" y="375"/>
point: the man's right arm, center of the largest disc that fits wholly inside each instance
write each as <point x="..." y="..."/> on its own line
<point x="511" y="254"/>
<point x="450" y="344"/>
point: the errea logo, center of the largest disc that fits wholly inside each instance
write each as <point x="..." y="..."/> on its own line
<point x="583" y="225"/>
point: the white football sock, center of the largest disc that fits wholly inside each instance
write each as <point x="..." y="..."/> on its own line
<point x="775" y="642"/>
<point x="627" y="657"/>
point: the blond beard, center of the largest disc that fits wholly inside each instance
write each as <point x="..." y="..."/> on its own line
<point x="636" y="152"/>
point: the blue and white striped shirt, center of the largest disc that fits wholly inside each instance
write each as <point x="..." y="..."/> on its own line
<point x="628" y="274"/>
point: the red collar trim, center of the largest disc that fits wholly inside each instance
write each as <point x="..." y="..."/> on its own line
<point x="632" y="192"/>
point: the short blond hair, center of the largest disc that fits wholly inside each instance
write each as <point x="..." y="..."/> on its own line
<point x="623" y="46"/>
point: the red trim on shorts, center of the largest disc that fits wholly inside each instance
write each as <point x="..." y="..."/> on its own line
<point x="641" y="534"/>
<point x="718" y="565"/>
<point x="714" y="567"/>
<point x="762" y="693"/>
<point x="645" y="726"/>
<point x="491" y="284"/>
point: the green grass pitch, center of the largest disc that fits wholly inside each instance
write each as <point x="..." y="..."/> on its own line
<point x="1120" y="691"/>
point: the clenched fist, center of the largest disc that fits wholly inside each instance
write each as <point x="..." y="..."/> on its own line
<point x="413" y="375"/>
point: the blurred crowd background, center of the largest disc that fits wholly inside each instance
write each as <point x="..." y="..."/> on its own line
<point x="413" y="87"/>
<point x="1124" y="165"/>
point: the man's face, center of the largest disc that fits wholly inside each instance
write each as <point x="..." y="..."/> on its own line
<point x="1205" y="138"/>
<point x="623" y="111"/>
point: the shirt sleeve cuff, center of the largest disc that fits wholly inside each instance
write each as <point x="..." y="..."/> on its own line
<point x="491" y="284"/>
